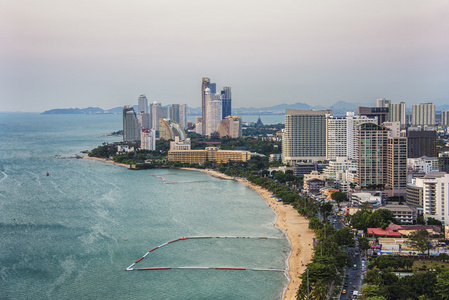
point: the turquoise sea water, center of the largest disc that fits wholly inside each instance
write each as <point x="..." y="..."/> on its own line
<point x="70" y="235"/>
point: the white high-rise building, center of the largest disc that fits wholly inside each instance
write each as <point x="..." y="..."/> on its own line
<point x="145" y="120"/>
<point x="159" y="112"/>
<point x="339" y="165"/>
<point x="435" y="194"/>
<point x="396" y="113"/>
<point x="143" y="104"/>
<point x="423" y="114"/>
<point x="382" y="102"/>
<point x="148" y="139"/>
<point x="341" y="135"/>
<point x="213" y="111"/>
<point x="445" y="118"/>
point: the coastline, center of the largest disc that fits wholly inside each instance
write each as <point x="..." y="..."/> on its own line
<point x="106" y="160"/>
<point x="295" y="226"/>
<point x="288" y="219"/>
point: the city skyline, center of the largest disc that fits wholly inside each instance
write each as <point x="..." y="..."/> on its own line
<point x="80" y="54"/>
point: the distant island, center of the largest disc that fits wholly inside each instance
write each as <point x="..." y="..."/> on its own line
<point x="338" y="108"/>
<point x="195" y="111"/>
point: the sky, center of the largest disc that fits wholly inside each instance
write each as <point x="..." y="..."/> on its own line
<point x="105" y="53"/>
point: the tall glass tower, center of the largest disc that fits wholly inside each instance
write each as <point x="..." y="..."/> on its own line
<point x="226" y="104"/>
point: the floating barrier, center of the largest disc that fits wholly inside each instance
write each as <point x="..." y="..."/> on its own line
<point x="130" y="268"/>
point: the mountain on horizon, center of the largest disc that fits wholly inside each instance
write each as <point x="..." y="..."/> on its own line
<point x="339" y="108"/>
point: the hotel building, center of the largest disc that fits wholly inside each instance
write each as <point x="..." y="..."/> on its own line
<point x="304" y="136"/>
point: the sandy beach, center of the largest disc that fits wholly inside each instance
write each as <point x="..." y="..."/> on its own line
<point x="288" y="219"/>
<point x="296" y="227"/>
<point x="106" y="160"/>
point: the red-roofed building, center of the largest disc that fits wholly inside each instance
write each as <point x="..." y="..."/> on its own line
<point x="382" y="232"/>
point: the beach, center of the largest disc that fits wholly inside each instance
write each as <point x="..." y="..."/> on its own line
<point x="295" y="225"/>
<point x="107" y="160"/>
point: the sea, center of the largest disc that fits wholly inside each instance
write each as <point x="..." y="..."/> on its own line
<point x="70" y="227"/>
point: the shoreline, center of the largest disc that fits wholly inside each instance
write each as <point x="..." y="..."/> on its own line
<point x="295" y="227"/>
<point x="106" y="160"/>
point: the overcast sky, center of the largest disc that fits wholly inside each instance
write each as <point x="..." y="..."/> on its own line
<point x="105" y="53"/>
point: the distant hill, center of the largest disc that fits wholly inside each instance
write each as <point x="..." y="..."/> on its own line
<point x="74" y="111"/>
<point x="338" y="108"/>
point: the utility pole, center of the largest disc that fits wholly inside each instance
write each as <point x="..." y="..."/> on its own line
<point x="307" y="284"/>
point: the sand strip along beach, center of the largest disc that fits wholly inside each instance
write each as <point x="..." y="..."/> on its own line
<point x="106" y="160"/>
<point x="295" y="225"/>
<point x="288" y="219"/>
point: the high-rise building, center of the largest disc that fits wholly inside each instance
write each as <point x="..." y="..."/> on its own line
<point x="131" y="126"/>
<point x="304" y="135"/>
<point x="435" y="195"/>
<point x="397" y="165"/>
<point x="183" y="115"/>
<point x="169" y="129"/>
<point x="205" y="84"/>
<point x="380" y="112"/>
<point x="445" y="118"/>
<point x="382" y="102"/>
<point x="148" y="139"/>
<point x="443" y="162"/>
<point x="199" y="125"/>
<point x="397" y="113"/>
<point x="421" y="143"/>
<point x="341" y="135"/>
<point x="372" y="155"/>
<point x="159" y="112"/>
<point x="143" y="104"/>
<point x="231" y="126"/>
<point x="213" y="112"/>
<point x="226" y="102"/>
<point x="145" y="120"/>
<point x="178" y="113"/>
<point x="382" y="158"/>
<point x="423" y="114"/>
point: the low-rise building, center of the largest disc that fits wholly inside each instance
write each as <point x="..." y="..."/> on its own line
<point x="403" y="213"/>
<point x="208" y="154"/>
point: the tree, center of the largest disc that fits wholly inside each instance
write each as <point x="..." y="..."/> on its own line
<point x="344" y="236"/>
<point x="339" y="196"/>
<point x="433" y="221"/>
<point x="420" y="240"/>
<point x="325" y="209"/>
<point x="364" y="244"/>
<point x="442" y="285"/>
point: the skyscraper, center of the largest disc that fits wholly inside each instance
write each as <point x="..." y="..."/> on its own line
<point x="445" y="118"/>
<point x="397" y="113"/>
<point x="205" y="84"/>
<point x="213" y="111"/>
<point x="226" y="102"/>
<point x="159" y="112"/>
<point x="131" y="126"/>
<point x="382" y="102"/>
<point x="143" y="104"/>
<point x="178" y="113"/>
<point x="421" y="143"/>
<point x="372" y="156"/>
<point x="341" y="135"/>
<point x="396" y="160"/>
<point x="423" y="114"/>
<point x="304" y="135"/>
<point x="148" y="139"/>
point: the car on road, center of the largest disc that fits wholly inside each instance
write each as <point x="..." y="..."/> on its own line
<point x="344" y="291"/>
